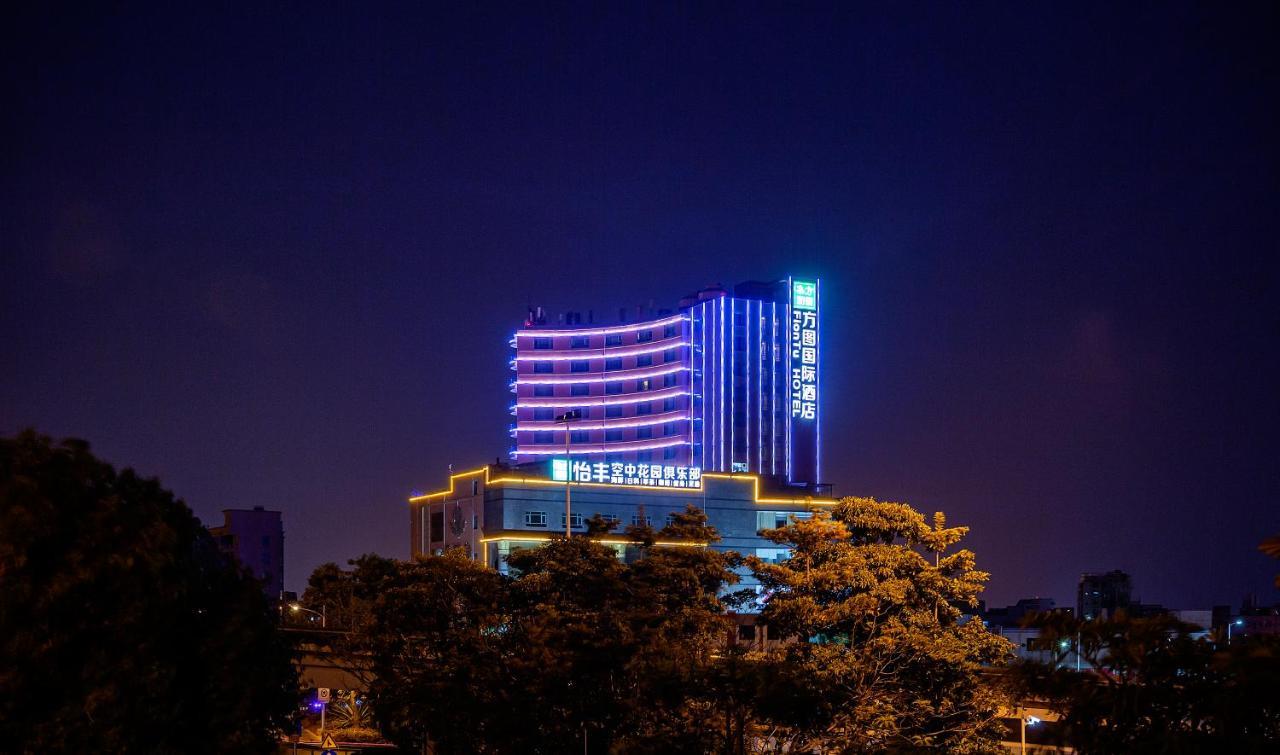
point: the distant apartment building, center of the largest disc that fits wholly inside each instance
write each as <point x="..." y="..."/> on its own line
<point x="1101" y="595"/>
<point x="256" y="538"/>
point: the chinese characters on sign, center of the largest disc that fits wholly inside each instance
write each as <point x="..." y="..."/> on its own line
<point x="804" y="350"/>
<point x="619" y="473"/>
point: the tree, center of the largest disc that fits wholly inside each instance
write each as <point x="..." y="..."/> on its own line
<point x="882" y="658"/>
<point x="122" y="627"/>
<point x="578" y="644"/>
<point x="1152" y="686"/>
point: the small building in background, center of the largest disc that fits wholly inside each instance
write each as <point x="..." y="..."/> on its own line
<point x="256" y="538"/>
<point x="1012" y="616"/>
<point x="1101" y="595"/>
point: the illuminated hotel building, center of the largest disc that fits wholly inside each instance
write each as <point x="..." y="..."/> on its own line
<point x="726" y="383"/>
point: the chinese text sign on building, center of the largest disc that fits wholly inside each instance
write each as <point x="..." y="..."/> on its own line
<point x="619" y="473"/>
<point x="804" y="350"/>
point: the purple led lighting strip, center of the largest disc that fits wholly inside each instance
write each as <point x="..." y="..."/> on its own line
<point x="541" y="333"/>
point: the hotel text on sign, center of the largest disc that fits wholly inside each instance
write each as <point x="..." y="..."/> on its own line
<point x="804" y="350"/>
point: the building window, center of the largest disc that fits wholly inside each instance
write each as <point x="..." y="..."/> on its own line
<point x="579" y="342"/>
<point x="614" y="339"/>
<point x="535" y="519"/>
<point x="608" y="517"/>
<point x="669" y="452"/>
<point x="645" y="408"/>
<point x="544" y="390"/>
<point x="575" y="519"/>
<point x="613" y="410"/>
<point x="437" y="526"/>
<point x="475" y="487"/>
<point x="670" y="355"/>
<point x="612" y="435"/>
<point x="580" y="436"/>
<point x="669" y="380"/>
<point x="579" y="365"/>
<point x="670" y="428"/>
<point x="644" y="335"/>
<point x="542" y="367"/>
<point x="669" y="405"/>
<point x="542" y="343"/>
<point x="544" y="436"/>
<point x="669" y="331"/>
<point x="641" y="521"/>
<point x="644" y="360"/>
<point x="644" y="385"/>
<point x="580" y="389"/>
<point x="613" y="363"/>
<point x="613" y="387"/>
<point x="645" y="456"/>
<point x="543" y="413"/>
<point x="644" y="433"/>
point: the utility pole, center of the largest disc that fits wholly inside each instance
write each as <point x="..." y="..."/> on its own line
<point x="566" y="418"/>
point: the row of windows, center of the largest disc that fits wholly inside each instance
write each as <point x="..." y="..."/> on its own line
<point x="539" y="519"/>
<point x="610" y="363"/>
<point x="612" y="411"/>
<point x="611" y="388"/>
<point x="612" y="339"/>
<point x="610" y="435"/>
<point x="669" y="453"/>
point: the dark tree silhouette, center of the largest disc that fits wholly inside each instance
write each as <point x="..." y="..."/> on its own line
<point x="122" y="627"/>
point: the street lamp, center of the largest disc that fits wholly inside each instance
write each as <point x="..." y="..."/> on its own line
<point x="296" y="607"/>
<point x="1236" y="623"/>
<point x="1026" y="721"/>
<point x="566" y="418"/>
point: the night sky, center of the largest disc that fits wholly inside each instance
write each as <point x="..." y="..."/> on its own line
<point x="274" y="256"/>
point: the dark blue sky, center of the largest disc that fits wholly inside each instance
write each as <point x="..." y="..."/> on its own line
<point x="273" y="256"/>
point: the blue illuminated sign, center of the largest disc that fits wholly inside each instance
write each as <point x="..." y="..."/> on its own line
<point x="626" y="473"/>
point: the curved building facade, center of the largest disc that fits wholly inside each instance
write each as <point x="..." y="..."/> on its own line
<point x="630" y="384"/>
<point x="728" y="383"/>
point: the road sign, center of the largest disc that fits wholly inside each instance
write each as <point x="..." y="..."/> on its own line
<point x="322" y="694"/>
<point x="328" y="743"/>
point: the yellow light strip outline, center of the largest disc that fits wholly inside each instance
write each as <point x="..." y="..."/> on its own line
<point x="755" y="487"/>
<point x="482" y="470"/>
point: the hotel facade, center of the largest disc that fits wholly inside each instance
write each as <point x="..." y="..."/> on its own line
<point x="716" y="404"/>
<point x="728" y="383"/>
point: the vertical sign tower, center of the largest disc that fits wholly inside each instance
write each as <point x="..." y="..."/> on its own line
<point x="803" y="369"/>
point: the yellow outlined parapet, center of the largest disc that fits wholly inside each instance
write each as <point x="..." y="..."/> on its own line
<point x="509" y="478"/>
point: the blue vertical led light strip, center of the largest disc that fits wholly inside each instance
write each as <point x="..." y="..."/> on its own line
<point x="773" y="388"/>
<point x="703" y="384"/>
<point x="759" y="385"/>
<point x="746" y="382"/>
<point x="732" y="325"/>
<point x="720" y="436"/>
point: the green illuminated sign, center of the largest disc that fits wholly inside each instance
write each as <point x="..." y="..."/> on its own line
<point x="804" y="295"/>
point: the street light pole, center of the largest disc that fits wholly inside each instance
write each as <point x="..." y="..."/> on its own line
<point x="321" y="613"/>
<point x="566" y="418"/>
<point x="1236" y="623"/>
